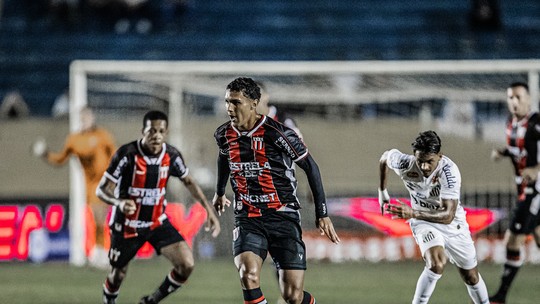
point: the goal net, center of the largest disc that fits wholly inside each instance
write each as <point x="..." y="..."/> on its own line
<point x="348" y="112"/>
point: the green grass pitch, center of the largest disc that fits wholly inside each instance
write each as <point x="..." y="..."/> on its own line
<point x="216" y="281"/>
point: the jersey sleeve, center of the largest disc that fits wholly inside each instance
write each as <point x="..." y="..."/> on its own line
<point x="397" y="161"/>
<point x="290" y="143"/>
<point x="221" y="140"/>
<point x="178" y="166"/>
<point x="119" y="163"/>
<point x="450" y="180"/>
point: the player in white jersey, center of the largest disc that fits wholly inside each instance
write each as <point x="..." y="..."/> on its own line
<point x="436" y="217"/>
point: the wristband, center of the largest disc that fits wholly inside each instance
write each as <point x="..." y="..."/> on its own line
<point x="383" y="196"/>
<point x="120" y="205"/>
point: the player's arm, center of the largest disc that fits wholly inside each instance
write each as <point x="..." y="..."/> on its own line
<point x="220" y="201"/>
<point x="497" y="154"/>
<point x="105" y="191"/>
<point x="313" y="174"/>
<point x="53" y="158"/>
<point x="443" y="215"/>
<point x="212" y="222"/>
<point x="384" y="197"/>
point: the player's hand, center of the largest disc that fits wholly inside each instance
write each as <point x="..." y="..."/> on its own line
<point x="384" y="198"/>
<point x="327" y="228"/>
<point x="39" y="147"/>
<point x="401" y="211"/>
<point x="530" y="174"/>
<point x="127" y="206"/>
<point x="219" y="203"/>
<point x="495" y="155"/>
<point x="212" y="224"/>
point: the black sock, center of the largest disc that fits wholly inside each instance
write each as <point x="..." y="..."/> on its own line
<point x="509" y="272"/>
<point x="171" y="283"/>
<point x="254" y="296"/>
<point x="308" y="298"/>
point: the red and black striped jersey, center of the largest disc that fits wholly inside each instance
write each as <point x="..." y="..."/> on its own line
<point x="143" y="178"/>
<point x="522" y="139"/>
<point x="261" y="166"/>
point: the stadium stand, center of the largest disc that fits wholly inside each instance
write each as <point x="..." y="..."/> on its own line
<point x="35" y="52"/>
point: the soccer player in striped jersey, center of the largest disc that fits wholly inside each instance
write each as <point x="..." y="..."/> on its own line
<point x="135" y="184"/>
<point x="522" y="138"/>
<point x="257" y="154"/>
<point x="436" y="216"/>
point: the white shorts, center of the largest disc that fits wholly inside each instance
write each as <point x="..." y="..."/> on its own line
<point x="458" y="247"/>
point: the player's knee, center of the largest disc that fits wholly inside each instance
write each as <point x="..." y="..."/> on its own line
<point x="249" y="277"/>
<point x="437" y="266"/>
<point x="185" y="268"/>
<point x="293" y="295"/>
<point x="471" y="278"/>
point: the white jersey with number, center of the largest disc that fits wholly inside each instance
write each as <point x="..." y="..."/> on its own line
<point x="427" y="192"/>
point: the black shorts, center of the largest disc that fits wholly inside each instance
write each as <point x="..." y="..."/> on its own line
<point x="277" y="233"/>
<point x="124" y="249"/>
<point x="525" y="216"/>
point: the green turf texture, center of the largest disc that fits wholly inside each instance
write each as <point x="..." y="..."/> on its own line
<point x="216" y="281"/>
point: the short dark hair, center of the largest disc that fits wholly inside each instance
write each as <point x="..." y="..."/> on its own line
<point x="519" y="84"/>
<point x="247" y="86"/>
<point x="427" y="142"/>
<point x="155" y="115"/>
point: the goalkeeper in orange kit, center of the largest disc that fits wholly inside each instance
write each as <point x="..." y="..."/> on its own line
<point x="94" y="147"/>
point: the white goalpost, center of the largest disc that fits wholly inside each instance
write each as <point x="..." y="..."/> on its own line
<point x="329" y="96"/>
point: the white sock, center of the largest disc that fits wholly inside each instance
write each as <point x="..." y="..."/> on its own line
<point x="425" y="286"/>
<point x="478" y="292"/>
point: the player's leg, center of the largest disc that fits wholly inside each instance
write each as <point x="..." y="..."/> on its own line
<point x="249" y="267"/>
<point x="431" y="243"/>
<point x="168" y="242"/>
<point x="112" y="284"/>
<point x="121" y="253"/>
<point x="513" y="263"/>
<point x="292" y="287"/>
<point x="250" y="248"/>
<point x="521" y="224"/>
<point x="289" y="254"/>
<point x="476" y="287"/>
<point x="461" y="252"/>
<point x="435" y="259"/>
<point x="536" y="231"/>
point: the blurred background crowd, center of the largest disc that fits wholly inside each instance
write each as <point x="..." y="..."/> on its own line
<point x="39" y="38"/>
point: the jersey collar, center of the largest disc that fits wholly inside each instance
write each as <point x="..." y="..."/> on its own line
<point x="249" y="133"/>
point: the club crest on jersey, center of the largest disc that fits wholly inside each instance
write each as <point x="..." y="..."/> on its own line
<point x="164" y="172"/>
<point x="257" y="143"/>
<point x="428" y="237"/>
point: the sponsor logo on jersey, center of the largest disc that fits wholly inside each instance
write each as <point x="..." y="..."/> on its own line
<point x="137" y="223"/>
<point x="419" y="199"/>
<point x="263" y="198"/>
<point x="249" y="169"/>
<point x="413" y="174"/>
<point x="450" y="178"/>
<point x="285" y="145"/>
<point x="146" y="192"/>
<point x="121" y="165"/>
